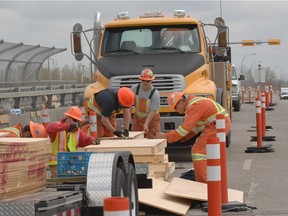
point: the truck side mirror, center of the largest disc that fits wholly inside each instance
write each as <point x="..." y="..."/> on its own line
<point x="77" y="46"/>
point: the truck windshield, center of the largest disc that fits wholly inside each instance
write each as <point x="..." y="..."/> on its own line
<point x="151" y="39"/>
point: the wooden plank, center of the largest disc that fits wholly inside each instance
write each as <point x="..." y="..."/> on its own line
<point x="159" y="167"/>
<point x="156" y="198"/>
<point x="132" y="135"/>
<point x="184" y="188"/>
<point x="163" y="175"/>
<point x="137" y="147"/>
<point x="153" y="158"/>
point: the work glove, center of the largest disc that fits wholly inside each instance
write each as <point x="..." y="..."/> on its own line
<point x="95" y="142"/>
<point x="72" y="127"/>
<point x="119" y="134"/>
<point x="125" y="133"/>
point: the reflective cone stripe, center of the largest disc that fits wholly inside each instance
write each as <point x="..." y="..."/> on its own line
<point x="83" y="110"/>
<point x="93" y="127"/>
<point x="213" y="177"/>
<point x="116" y="206"/>
<point x="263" y="114"/>
<point x="45" y="117"/>
<point x="220" y="129"/>
<point x="258" y="122"/>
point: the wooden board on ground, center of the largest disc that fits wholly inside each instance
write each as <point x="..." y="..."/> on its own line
<point x="132" y="135"/>
<point x="136" y="147"/>
<point x="3" y="134"/>
<point x="156" y="198"/>
<point x="4" y="119"/>
<point x="184" y="188"/>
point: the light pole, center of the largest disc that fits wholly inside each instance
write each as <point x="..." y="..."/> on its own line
<point x="244" y="59"/>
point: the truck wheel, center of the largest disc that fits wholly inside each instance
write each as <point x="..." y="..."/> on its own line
<point x="228" y="139"/>
<point x="118" y="184"/>
<point x="237" y="106"/>
<point x="132" y="189"/>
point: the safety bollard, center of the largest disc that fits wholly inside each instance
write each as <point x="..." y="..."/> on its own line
<point x="260" y="148"/>
<point x="93" y="126"/>
<point x="267" y="102"/>
<point x="243" y="94"/>
<point x="220" y="129"/>
<point x="83" y="110"/>
<point x="258" y="92"/>
<point x="258" y="122"/>
<point x="116" y="206"/>
<point x="213" y="177"/>
<point x="263" y="113"/>
<point x="45" y="117"/>
<point x="271" y="95"/>
<point x="249" y="94"/>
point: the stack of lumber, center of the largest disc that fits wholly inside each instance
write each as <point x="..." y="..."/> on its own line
<point x="23" y="164"/>
<point x="146" y="151"/>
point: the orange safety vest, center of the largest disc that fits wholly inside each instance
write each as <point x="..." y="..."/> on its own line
<point x="60" y="144"/>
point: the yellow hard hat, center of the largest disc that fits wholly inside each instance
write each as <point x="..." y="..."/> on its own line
<point x="37" y="130"/>
<point x="126" y="96"/>
<point x="75" y="113"/>
<point x="173" y="98"/>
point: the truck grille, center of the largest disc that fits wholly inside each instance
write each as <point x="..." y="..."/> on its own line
<point x="163" y="83"/>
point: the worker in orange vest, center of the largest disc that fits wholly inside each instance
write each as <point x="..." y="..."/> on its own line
<point x="147" y="104"/>
<point x="200" y="117"/>
<point x="107" y="103"/>
<point x="33" y="130"/>
<point x="67" y="136"/>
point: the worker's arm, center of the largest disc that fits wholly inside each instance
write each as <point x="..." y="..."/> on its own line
<point x="55" y="127"/>
<point x="105" y="121"/>
<point x="126" y="118"/>
<point x="148" y="120"/>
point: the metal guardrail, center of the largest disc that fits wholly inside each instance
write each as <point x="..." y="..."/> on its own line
<point x="48" y="92"/>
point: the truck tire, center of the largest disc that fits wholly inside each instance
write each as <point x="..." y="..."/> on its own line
<point x="237" y="106"/>
<point x="228" y="139"/>
<point x="132" y="190"/>
<point x="118" y="184"/>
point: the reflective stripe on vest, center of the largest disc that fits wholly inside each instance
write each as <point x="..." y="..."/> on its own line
<point x="13" y="130"/>
<point x="73" y="141"/>
<point x="93" y="105"/>
<point x="201" y="124"/>
<point x="58" y="145"/>
<point x="198" y="157"/>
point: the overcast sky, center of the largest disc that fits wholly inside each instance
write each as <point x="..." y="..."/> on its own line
<point x="49" y="23"/>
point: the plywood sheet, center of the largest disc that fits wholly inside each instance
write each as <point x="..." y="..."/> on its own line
<point x="184" y="188"/>
<point x="156" y="198"/>
<point x="155" y="158"/>
<point x="132" y="135"/>
<point x="136" y="147"/>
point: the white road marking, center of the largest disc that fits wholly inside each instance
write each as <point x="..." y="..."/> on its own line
<point x="247" y="164"/>
<point x="251" y="193"/>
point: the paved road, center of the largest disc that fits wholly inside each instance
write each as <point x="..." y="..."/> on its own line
<point x="262" y="176"/>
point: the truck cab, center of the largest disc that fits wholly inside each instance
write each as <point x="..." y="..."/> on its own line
<point x="236" y="88"/>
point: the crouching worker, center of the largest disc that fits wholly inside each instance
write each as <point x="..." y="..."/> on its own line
<point x="107" y="103"/>
<point x="67" y="136"/>
<point x="200" y="116"/>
